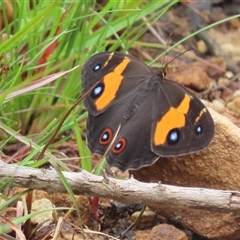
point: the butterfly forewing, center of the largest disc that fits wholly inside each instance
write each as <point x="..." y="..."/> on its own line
<point x="184" y="127"/>
<point x="112" y="76"/>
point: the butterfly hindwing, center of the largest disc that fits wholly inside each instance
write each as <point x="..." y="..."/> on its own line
<point x="132" y="148"/>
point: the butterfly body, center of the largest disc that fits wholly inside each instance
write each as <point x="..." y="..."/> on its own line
<point x="157" y="117"/>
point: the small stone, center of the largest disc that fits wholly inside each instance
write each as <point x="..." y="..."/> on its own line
<point x="167" y="232"/>
<point x="191" y="75"/>
<point x="228" y="74"/>
<point x="142" y="235"/>
<point x="235" y="105"/>
<point x="236" y="94"/>
<point x="217" y="70"/>
<point x="217" y="105"/>
<point x="202" y="47"/>
<point x="235" y="23"/>
<point x="223" y="81"/>
<point x="147" y="220"/>
<point x="229" y="48"/>
<point x="226" y="94"/>
<point x="44" y="217"/>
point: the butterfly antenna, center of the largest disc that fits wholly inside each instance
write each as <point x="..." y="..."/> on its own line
<point x="163" y="59"/>
<point x="167" y="46"/>
<point x="165" y="67"/>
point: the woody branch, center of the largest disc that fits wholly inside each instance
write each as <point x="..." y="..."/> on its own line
<point x="131" y="190"/>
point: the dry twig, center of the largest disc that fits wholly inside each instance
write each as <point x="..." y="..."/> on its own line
<point x="130" y="190"/>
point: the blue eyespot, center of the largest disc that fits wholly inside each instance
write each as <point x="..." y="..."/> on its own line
<point x="97" y="91"/>
<point x="97" y="67"/>
<point x="118" y="146"/>
<point x="105" y="137"/>
<point x="199" y="129"/>
<point x="173" y="136"/>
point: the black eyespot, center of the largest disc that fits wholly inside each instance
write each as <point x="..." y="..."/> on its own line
<point x="97" y="91"/>
<point x="97" y="67"/>
<point x="106" y="136"/>
<point x="120" y="146"/>
<point x="199" y="129"/>
<point x="173" y="136"/>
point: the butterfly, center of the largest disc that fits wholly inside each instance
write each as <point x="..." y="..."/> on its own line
<point x="157" y="117"/>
